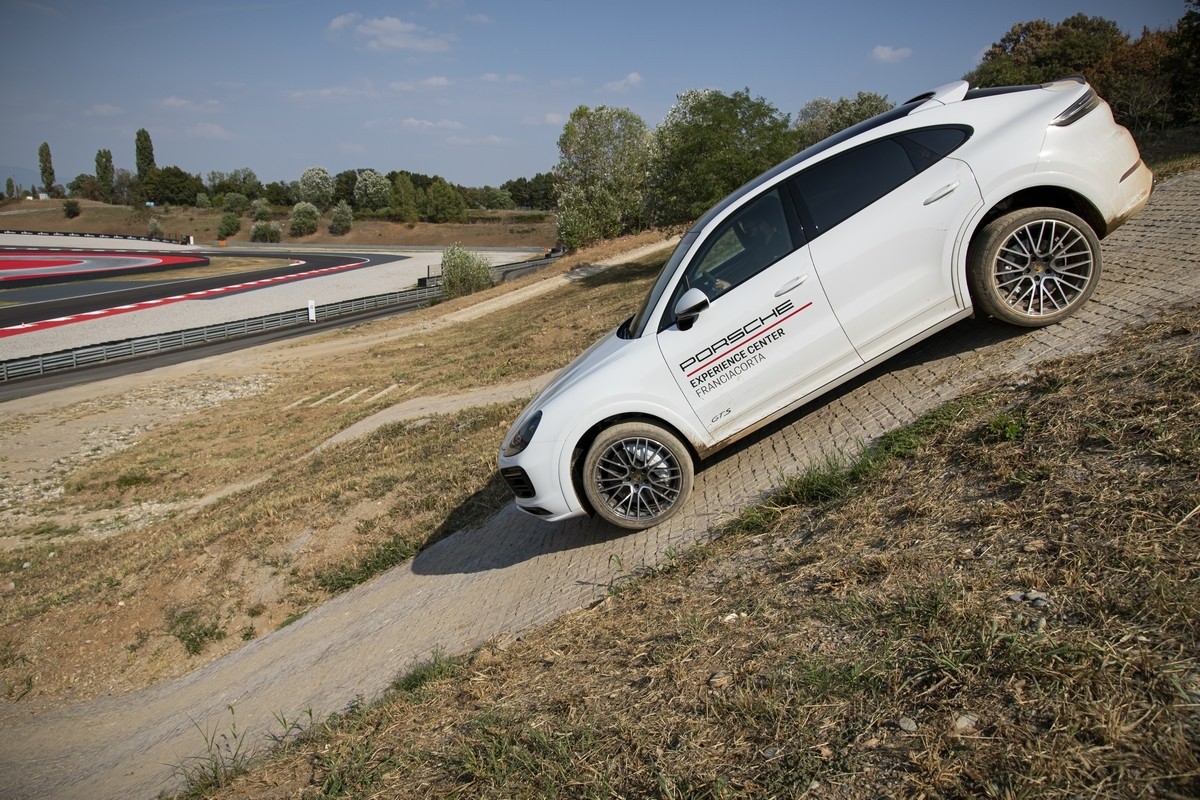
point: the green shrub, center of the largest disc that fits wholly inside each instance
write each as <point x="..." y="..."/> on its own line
<point x="261" y="210"/>
<point x="264" y="231"/>
<point x="203" y="200"/>
<point x="305" y="218"/>
<point x="71" y="209"/>
<point x="342" y="219"/>
<point x="236" y="202"/>
<point x="231" y="223"/>
<point x="154" y="228"/>
<point x="464" y="272"/>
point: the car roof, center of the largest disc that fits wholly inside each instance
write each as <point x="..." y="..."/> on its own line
<point x="956" y="92"/>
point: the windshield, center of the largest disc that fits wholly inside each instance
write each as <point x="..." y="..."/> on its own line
<point x="637" y="325"/>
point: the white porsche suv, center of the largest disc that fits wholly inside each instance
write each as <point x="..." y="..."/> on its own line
<point x="959" y="201"/>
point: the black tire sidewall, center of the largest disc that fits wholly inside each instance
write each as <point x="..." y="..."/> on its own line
<point x="983" y="252"/>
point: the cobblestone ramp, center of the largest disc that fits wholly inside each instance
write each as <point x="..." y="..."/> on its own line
<point x="515" y="572"/>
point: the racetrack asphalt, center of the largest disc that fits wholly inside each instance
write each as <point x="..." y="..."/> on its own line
<point x="219" y="299"/>
<point x="514" y="572"/>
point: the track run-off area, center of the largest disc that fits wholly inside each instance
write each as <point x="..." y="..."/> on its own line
<point x="46" y="289"/>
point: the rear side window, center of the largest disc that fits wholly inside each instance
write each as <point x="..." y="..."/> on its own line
<point x="839" y="188"/>
<point x="927" y="147"/>
<point x="836" y="189"/>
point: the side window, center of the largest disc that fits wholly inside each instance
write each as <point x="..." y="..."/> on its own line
<point x="747" y="243"/>
<point x="929" y="146"/>
<point x="840" y="187"/>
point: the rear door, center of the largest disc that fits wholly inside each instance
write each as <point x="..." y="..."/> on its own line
<point x="884" y="219"/>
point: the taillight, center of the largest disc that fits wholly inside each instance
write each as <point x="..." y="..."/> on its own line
<point x="1079" y="109"/>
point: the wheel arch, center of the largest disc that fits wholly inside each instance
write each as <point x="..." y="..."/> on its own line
<point x="585" y="441"/>
<point x="1045" y="196"/>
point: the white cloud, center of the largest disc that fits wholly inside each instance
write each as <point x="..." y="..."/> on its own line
<point x="183" y="104"/>
<point x="630" y="81"/>
<point x="104" y="110"/>
<point x="40" y="8"/>
<point x="414" y="124"/>
<point x="480" y="19"/>
<point x="552" y="119"/>
<point x="209" y="130"/>
<point x="384" y="34"/>
<point x="344" y="21"/>
<point x="426" y="124"/>
<point x="360" y="91"/>
<point x="433" y="82"/>
<point x="890" y="55"/>
<point x="492" y="139"/>
<point x="495" y="77"/>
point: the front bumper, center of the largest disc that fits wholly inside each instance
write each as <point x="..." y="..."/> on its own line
<point x="537" y="483"/>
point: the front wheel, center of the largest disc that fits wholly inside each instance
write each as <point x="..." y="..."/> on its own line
<point x="1033" y="267"/>
<point x="637" y="475"/>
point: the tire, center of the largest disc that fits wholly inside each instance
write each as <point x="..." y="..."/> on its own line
<point x="1033" y="267"/>
<point x="636" y="475"/>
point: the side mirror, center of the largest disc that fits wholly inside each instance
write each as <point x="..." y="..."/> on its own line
<point x="689" y="307"/>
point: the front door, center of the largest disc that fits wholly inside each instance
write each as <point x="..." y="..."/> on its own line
<point x="769" y="335"/>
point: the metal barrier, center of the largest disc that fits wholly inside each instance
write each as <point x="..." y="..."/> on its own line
<point x="76" y="235"/>
<point x="162" y="342"/>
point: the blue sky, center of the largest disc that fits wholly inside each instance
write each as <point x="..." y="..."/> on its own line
<point x="474" y="90"/>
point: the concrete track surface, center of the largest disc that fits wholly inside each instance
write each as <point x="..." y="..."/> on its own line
<point x="514" y="572"/>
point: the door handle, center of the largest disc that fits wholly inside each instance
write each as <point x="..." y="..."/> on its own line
<point x="940" y="193"/>
<point x="792" y="284"/>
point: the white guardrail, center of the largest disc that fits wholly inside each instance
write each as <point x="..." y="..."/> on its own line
<point x="63" y="360"/>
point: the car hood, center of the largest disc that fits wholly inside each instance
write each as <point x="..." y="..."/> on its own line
<point x="587" y="362"/>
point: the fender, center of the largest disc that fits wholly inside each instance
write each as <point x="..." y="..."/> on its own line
<point x="627" y="405"/>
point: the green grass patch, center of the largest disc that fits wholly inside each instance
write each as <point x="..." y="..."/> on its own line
<point x="193" y="631"/>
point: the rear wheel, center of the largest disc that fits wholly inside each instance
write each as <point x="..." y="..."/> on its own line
<point x="1034" y="267"/>
<point x="637" y="475"/>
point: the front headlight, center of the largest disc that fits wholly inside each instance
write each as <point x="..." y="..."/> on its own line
<point x="522" y="437"/>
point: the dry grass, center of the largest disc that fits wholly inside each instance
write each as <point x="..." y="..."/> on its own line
<point x="1000" y="601"/>
<point x="250" y="561"/>
<point x="1171" y="152"/>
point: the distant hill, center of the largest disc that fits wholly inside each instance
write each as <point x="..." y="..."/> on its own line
<point x="21" y="176"/>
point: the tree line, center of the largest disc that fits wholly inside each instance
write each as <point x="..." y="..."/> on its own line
<point x="615" y="175"/>
<point x="398" y="195"/>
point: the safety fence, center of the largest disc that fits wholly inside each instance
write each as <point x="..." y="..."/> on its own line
<point x="75" y="235"/>
<point x="64" y="360"/>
